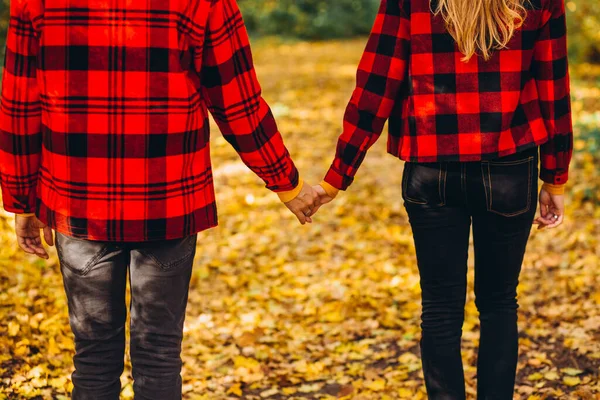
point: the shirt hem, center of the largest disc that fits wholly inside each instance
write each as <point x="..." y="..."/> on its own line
<point x="466" y="157"/>
<point x="129" y="239"/>
<point x="84" y="235"/>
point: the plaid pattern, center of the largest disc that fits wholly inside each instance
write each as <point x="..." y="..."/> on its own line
<point x="104" y="126"/>
<point x="443" y="109"/>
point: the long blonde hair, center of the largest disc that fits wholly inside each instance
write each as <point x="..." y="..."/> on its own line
<point x="481" y="26"/>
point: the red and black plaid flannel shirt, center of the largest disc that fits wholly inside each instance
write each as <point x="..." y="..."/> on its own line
<point x="443" y="109"/>
<point x="104" y="127"/>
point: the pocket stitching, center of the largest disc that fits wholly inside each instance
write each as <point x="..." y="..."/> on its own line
<point x="442" y="189"/>
<point x="441" y="193"/>
<point x="486" y="187"/>
<point x="88" y="266"/>
<point x="171" y="265"/>
<point x="405" y="187"/>
<point x="529" y="162"/>
<point x="508" y="163"/>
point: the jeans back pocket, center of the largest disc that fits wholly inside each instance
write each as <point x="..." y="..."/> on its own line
<point x="79" y="255"/>
<point x="425" y="184"/>
<point x="508" y="185"/>
<point x="170" y="254"/>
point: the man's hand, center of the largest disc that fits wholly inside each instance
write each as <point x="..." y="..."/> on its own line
<point x="29" y="237"/>
<point x="552" y="210"/>
<point x="325" y="198"/>
<point x="305" y="205"/>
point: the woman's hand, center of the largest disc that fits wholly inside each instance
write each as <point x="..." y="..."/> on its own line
<point x="552" y="210"/>
<point x="29" y="238"/>
<point x="325" y="198"/>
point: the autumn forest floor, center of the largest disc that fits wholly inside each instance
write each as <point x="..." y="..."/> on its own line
<point x="280" y="311"/>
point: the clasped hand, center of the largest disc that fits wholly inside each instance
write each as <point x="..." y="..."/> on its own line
<point x="308" y="202"/>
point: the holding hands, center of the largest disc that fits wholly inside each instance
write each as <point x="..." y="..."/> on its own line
<point x="323" y="195"/>
<point x="305" y="205"/>
<point x="309" y="200"/>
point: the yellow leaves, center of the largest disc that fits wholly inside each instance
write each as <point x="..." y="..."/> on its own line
<point x="410" y="361"/>
<point x="21" y="348"/>
<point x="59" y="383"/>
<point x="570" y="377"/>
<point x="244" y="362"/>
<point x="404" y="393"/>
<point x="35" y="372"/>
<point x="247" y="369"/>
<point x="309" y="370"/>
<point x="551" y="376"/>
<point x="310" y="388"/>
<point x="13" y="328"/>
<point x="571" y="380"/>
<point x="236" y="390"/>
<point x="250" y="319"/>
<point x="376" y="385"/>
<point x="571" y="371"/>
<point x="535" y="376"/>
<point x="289" y="391"/>
<point x="248" y="339"/>
<point x="268" y="393"/>
<point x="53" y="347"/>
<point x="278" y="310"/>
<point x="127" y="392"/>
<point x="332" y="312"/>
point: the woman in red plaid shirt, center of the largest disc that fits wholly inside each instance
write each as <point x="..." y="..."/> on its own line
<point x="104" y="138"/>
<point x="476" y="92"/>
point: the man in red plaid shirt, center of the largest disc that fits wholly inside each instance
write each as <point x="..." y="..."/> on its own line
<point x="104" y="137"/>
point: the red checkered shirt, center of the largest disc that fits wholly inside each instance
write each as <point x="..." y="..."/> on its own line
<point x="443" y="109"/>
<point x="104" y="127"/>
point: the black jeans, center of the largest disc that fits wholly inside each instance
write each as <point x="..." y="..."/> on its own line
<point x="95" y="277"/>
<point x="499" y="198"/>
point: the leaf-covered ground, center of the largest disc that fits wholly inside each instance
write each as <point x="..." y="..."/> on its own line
<point x="280" y="311"/>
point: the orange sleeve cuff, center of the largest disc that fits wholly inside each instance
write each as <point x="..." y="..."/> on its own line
<point x="554" y="189"/>
<point x="330" y="189"/>
<point x="291" y="194"/>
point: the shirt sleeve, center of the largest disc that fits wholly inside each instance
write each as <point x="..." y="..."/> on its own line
<point x="20" y="114"/>
<point x="381" y="74"/>
<point x="551" y="69"/>
<point x="233" y="94"/>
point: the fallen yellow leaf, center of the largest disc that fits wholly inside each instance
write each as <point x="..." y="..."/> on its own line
<point x="235" y="390"/>
<point x="571" y="380"/>
<point x="376" y="385"/>
<point x="13" y="328"/>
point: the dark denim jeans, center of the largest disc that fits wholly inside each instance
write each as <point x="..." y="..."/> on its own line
<point x="95" y="276"/>
<point x="499" y="199"/>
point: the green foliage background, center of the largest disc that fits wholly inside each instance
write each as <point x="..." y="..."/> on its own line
<point x="326" y="19"/>
<point x="310" y="19"/>
<point x="584" y="30"/>
<point x="323" y="19"/>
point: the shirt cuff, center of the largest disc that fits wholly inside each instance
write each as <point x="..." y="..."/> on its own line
<point x="330" y="190"/>
<point x="337" y="180"/>
<point x="290" y="195"/>
<point x="554" y="189"/>
<point x="553" y="177"/>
